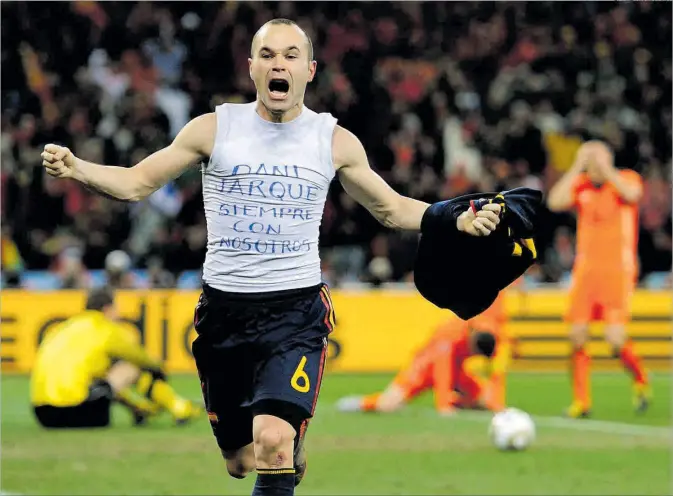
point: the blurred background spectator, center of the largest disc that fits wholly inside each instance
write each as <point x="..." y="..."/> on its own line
<point x="447" y="97"/>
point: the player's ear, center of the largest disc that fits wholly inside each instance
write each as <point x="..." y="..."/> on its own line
<point x="250" y="68"/>
<point x="312" y="67"/>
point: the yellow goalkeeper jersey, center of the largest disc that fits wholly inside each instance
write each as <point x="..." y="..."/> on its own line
<point x="78" y="352"/>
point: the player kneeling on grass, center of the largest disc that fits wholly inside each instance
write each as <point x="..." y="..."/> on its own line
<point x="449" y="364"/>
<point x="88" y="362"/>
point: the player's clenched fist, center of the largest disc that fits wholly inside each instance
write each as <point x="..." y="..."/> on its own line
<point x="483" y="223"/>
<point x="58" y="161"/>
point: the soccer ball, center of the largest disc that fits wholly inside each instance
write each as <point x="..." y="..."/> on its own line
<point x="512" y="430"/>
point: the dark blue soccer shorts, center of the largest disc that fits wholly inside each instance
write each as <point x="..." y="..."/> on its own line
<point x="260" y="353"/>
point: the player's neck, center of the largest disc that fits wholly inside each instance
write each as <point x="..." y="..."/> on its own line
<point x="279" y="117"/>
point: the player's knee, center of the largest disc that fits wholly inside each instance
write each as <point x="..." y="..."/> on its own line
<point x="615" y="335"/>
<point x="579" y="335"/>
<point x="274" y="440"/>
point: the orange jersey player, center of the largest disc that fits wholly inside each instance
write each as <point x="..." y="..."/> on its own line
<point x="605" y="272"/>
<point x="449" y="364"/>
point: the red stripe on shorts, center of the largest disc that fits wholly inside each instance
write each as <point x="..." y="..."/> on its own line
<point x="328" y="312"/>
<point x="320" y="371"/>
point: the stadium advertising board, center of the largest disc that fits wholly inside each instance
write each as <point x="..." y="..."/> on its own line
<point x="376" y="330"/>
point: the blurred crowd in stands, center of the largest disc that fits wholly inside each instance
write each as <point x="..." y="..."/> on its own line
<point x="447" y="97"/>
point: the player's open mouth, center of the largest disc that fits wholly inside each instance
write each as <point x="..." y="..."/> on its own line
<point x="278" y="89"/>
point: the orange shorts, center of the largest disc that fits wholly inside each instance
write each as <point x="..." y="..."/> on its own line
<point x="600" y="297"/>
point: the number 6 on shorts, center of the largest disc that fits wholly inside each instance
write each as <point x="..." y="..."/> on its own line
<point x="300" y="381"/>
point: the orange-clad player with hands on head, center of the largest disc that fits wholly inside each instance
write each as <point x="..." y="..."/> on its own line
<point x="605" y="271"/>
<point x="449" y="364"/>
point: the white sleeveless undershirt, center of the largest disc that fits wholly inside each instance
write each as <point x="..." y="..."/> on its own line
<point x="264" y="192"/>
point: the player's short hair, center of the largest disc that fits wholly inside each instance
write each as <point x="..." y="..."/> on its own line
<point x="287" y="22"/>
<point x="485" y="343"/>
<point x="99" y="298"/>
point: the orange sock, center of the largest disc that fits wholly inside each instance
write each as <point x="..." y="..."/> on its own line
<point x="369" y="402"/>
<point x="632" y="363"/>
<point x="581" y="363"/>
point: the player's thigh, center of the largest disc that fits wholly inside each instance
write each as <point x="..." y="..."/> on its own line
<point x="582" y="300"/>
<point x="293" y="376"/>
<point x="226" y="383"/>
<point x="617" y="296"/>
<point x="232" y="428"/>
<point x="415" y="378"/>
<point x="292" y="349"/>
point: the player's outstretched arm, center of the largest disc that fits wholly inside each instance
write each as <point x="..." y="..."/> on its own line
<point x="389" y="207"/>
<point x="192" y="144"/>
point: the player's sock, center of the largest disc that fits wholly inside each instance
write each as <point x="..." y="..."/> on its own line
<point x="274" y="482"/>
<point x="632" y="363"/>
<point x="369" y="402"/>
<point x="641" y="389"/>
<point x="161" y="393"/>
<point x="581" y="363"/>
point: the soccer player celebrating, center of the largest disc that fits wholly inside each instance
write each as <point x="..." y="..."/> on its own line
<point x="89" y="361"/>
<point x="605" y="270"/>
<point x="463" y="363"/>
<point x="264" y="315"/>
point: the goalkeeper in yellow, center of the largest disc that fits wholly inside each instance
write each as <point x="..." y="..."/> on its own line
<point x="90" y="361"/>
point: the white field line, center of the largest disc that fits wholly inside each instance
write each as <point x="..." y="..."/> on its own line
<point x="604" y="426"/>
<point x="556" y="422"/>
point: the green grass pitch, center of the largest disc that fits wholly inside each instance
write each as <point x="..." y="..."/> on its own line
<point x="411" y="452"/>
